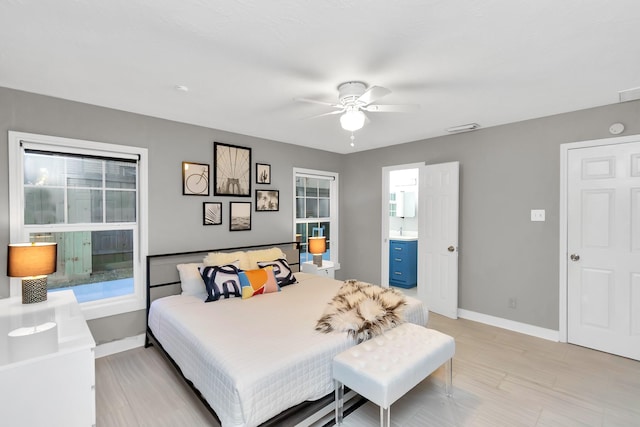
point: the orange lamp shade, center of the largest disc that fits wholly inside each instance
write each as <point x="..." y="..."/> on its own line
<point x="31" y="259"/>
<point x="317" y="245"/>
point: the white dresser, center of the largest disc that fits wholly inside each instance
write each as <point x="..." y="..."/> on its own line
<point x="47" y="363"/>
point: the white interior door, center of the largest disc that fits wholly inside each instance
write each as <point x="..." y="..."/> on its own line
<point x="438" y="238"/>
<point x="603" y="248"/>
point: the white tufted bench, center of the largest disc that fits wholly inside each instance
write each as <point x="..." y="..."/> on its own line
<point x="384" y="368"/>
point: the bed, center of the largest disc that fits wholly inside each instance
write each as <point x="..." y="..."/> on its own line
<point x="255" y="358"/>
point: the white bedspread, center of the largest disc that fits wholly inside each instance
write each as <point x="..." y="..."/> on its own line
<point x="251" y="359"/>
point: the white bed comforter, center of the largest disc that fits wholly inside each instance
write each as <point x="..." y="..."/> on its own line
<point x="252" y="359"/>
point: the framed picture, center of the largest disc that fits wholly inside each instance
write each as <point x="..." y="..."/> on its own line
<point x="267" y="200"/>
<point x="263" y="173"/>
<point x="211" y="213"/>
<point x="195" y="179"/>
<point x="240" y="214"/>
<point x="232" y="166"/>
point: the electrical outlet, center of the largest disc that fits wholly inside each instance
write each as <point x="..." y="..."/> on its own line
<point x="537" y="215"/>
<point x="513" y="302"/>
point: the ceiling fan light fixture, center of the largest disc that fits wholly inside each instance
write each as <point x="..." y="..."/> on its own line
<point x="352" y="120"/>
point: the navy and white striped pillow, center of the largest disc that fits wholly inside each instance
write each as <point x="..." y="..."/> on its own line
<point x="282" y="270"/>
<point x="221" y="282"/>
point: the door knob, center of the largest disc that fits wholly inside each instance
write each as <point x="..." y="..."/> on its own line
<point x="575" y="257"/>
<point x="451" y="249"/>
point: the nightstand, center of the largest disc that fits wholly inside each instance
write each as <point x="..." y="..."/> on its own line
<point x="47" y="368"/>
<point x="327" y="269"/>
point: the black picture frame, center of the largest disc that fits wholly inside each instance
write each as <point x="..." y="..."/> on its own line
<point x="211" y="213"/>
<point x="263" y="173"/>
<point x="267" y="200"/>
<point x="239" y="216"/>
<point x="195" y="179"/>
<point x="232" y="165"/>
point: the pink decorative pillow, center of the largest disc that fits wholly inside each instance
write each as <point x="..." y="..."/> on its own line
<point x="255" y="282"/>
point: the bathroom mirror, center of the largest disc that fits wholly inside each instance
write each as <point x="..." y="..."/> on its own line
<point x="403" y="204"/>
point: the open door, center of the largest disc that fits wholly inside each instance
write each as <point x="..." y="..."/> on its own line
<point x="438" y="238"/>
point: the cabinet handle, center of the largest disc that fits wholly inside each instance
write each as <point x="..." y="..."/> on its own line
<point x="397" y="259"/>
<point x="398" y="249"/>
<point x="397" y="273"/>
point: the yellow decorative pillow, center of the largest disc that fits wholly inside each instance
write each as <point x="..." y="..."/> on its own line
<point x="223" y="258"/>
<point x="262" y="255"/>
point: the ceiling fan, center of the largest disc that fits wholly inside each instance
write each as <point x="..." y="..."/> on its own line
<point x="354" y="98"/>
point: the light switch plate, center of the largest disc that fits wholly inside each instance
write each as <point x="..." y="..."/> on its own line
<point x="537" y="214"/>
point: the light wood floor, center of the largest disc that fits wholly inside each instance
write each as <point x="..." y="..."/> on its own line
<point x="501" y="378"/>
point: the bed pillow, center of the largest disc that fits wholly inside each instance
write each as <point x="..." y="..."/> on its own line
<point x="261" y="254"/>
<point x="221" y="281"/>
<point x="256" y="282"/>
<point x="191" y="280"/>
<point x="282" y="271"/>
<point x="223" y="258"/>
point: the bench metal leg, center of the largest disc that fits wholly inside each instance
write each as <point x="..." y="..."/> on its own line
<point x="339" y="398"/>
<point x="385" y="417"/>
<point x="449" y="377"/>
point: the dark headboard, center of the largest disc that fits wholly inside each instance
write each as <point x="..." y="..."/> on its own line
<point x="162" y="274"/>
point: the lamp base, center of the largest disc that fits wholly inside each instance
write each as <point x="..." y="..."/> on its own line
<point x="317" y="260"/>
<point x="34" y="289"/>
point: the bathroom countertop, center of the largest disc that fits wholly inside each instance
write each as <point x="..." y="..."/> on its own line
<point x="403" y="237"/>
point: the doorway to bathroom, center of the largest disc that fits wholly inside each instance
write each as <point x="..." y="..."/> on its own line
<point x="423" y="227"/>
<point x="400" y="227"/>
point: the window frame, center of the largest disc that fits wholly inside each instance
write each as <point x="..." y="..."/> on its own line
<point x="334" y="198"/>
<point x="19" y="233"/>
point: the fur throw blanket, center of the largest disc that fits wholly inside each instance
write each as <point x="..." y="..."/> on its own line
<point x="362" y="310"/>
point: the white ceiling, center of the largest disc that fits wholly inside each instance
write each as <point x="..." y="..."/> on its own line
<point x="244" y="61"/>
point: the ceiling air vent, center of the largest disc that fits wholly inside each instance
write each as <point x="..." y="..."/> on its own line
<point x="629" y="94"/>
<point x="463" y="128"/>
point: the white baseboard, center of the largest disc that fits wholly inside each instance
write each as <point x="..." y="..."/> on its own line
<point x="523" y="328"/>
<point x="117" y="346"/>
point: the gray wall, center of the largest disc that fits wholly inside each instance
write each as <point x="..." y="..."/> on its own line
<point x="505" y="172"/>
<point x="175" y="221"/>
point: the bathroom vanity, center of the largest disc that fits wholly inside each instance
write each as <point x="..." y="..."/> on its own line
<point x="403" y="262"/>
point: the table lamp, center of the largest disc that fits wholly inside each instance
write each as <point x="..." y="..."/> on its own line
<point x="32" y="262"/>
<point x="317" y="246"/>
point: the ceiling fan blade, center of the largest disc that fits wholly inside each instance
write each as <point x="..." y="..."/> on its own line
<point x="330" y="113"/>
<point x="315" y="101"/>
<point x="402" y="108"/>
<point x="372" y="94"/>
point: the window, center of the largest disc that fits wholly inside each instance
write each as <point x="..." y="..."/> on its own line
<point x="88" y="197"/>
<point x="316" y="210"/>
<point x="393" y="204"/>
